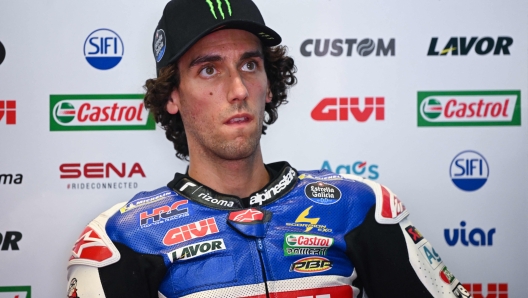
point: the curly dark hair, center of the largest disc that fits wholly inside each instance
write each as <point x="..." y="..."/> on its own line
<point x="280" y="71"/>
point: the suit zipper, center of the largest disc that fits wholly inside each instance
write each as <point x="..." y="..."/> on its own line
<point x="260" y="248"/>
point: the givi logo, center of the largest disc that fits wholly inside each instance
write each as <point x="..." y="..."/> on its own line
<point x="469" y="108"/>
<point x="8" y="111"/>
<point x="334" y="109"/>
<point x="99" y="112"/>
<point x="190" y="231"/>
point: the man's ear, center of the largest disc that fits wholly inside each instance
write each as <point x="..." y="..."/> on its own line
<point x="269" y="95"/>
<point x="173" y="104"/>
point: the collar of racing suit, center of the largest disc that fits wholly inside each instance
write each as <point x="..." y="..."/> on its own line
<point x="283" y="179"/>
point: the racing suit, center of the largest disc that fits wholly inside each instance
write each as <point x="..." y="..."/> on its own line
<point x="304" y="235"/>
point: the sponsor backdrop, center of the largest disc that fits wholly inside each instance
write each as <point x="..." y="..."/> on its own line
<point x="428" y="98"/>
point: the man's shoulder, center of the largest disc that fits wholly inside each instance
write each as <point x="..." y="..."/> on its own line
<point x="389" y="209"/>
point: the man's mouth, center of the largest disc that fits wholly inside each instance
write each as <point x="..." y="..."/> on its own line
<point x="238" y="119"/>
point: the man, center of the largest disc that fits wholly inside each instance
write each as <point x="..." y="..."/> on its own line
<point x="232" y="226"/>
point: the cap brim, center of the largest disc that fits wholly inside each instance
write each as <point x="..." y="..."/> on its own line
<point x="267" y="36"/>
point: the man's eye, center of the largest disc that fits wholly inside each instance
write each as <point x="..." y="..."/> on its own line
<point x="250" y="66"/>
<point x="208" y="71"/>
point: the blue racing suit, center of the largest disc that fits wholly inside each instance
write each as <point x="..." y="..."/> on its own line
<point x="304" y="235"/>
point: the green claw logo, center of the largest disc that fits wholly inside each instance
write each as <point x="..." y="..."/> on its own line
<point x="219" y="2"/>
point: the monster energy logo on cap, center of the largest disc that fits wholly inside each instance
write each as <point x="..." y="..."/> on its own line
<point x="219" y="2"/>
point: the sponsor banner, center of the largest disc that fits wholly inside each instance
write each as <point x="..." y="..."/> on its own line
<point x="15" y="292"/>
<point x="347" y="47"/>
<point x="339" y="109"/>
<point x="306" y="244"/>
<point x="196" y="249"/>
<point x="9" y="240"/>
<point x="311" y="265"/>
<point x="322" y="193"/>
<point x="360" y="168"/>
<point x="100" y="170"/>
<point x="469" y="108"/>
<point x="8" y="112"/>
<point x="99" y="112"/>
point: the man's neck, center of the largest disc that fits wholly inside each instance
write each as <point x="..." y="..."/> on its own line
<point x="234" y="177"/>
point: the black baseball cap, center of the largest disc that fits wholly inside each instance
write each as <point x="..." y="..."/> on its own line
<point x="184" y="22"/>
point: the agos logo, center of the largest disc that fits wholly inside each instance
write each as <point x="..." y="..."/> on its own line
<point x="463" y="46"/>
<point x="365" y="47"/>
<point x="333" y="109"/>
<point x="469" y="170"/>
<point x="103" y="49"/>
<point x="360" y="168"/>
<point x="477" y="236"/>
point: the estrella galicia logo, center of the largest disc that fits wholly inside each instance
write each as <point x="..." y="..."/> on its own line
<point x="469" y="170"/>
<point x="322" y="193"/>
<point x="2" y="52"/>
<point x="159" y="44"/>
<point x="103" y="49"/>
<point x="220" y="9"/>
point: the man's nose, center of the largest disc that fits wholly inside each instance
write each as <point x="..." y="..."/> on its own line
<point x="237" y="88"/>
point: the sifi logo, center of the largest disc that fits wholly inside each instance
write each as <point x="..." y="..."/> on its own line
<point x="99" y="112"/>
<point x="15" y="292"/>
<point x="475" y="241"/>
<point x="10" y="240"/>
<point x="462" y="46"/>
<point x="365" y="47"/>
<point x="196" y="249"/>
<point x="469" y="170"/>
<point x="359" y="168"/>
<point x="8" y="109"/>
<point x="2" y="52"/>
<point x="311" y="265"/>
<point x="469" y="108"/>
<point x="220" y="9"/>
<point x="190" y="231"/>
<point x="103" y="49"/>
<point x="494" y="290"/>
<point x="327" y="109"/>
<point x="164" y="213"/>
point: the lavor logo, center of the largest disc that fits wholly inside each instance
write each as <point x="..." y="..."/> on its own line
<point x="99" y="112"/>
<point x="196" y="249"/>
<point x="220" y="9"/>
<point x="469" y="108"/>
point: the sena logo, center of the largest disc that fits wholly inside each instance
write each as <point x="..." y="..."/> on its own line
<point x="99" y="112"/>
<point x="462" y="46"/>
<point x="8" y="111"/>
<point x="190" y="231"/>
<point x="164" y="213"/>
<point x="469" y="108"/>
<point x="311" y="265"/>
<point x="334" y="109"/>
<point x="98" y="170"/>
<point x="494" y="290"/>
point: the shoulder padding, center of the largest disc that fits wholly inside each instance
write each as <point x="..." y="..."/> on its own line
<point x="94" y="247"/>
<point x="389" y="209"/>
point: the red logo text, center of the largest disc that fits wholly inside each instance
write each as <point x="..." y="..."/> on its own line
<point x="99" y="170"/>
<point x="190" y="231"/>
<point x="333" y="109"/>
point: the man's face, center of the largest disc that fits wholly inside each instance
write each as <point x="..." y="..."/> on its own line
<point x="222" y="94"/>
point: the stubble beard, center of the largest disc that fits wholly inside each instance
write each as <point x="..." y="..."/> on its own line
<point x="241" y="147"/>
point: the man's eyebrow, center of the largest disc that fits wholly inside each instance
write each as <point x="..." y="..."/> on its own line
<point x="206" y="58"/>
<point x="252" y="54"/>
